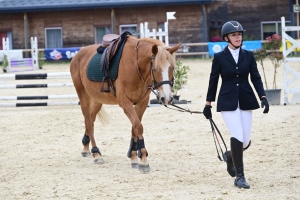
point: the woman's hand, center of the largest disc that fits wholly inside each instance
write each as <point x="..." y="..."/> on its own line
<point x="265" y="103"/>
<point x="207" y="111"/>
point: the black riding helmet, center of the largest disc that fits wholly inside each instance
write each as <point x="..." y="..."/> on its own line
<point x="230" y="27"/>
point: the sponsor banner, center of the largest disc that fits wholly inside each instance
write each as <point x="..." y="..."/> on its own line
<point x="215" y="47"/>
<point x="61" y="53"/>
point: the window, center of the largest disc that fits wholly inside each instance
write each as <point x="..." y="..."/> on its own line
<point x="100" y="32"/>
<point x="161" y="26"/>
<point x="6" y="34"/>
<point x="132" y="28"/>
<point x="53" y="37"/>
<point x="272" y="27"/>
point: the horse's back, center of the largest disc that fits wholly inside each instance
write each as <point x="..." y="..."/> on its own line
<point x="82" y="58"/>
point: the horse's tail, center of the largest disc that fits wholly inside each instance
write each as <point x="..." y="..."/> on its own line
<point x="103" y="116"/>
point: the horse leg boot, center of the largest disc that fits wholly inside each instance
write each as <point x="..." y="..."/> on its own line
<point x="142" y="150"/>
<point x="85" y="141"/>
<point x="229" y="162"/>
<point x="237" y="158"/>
<point x="132" y="153"/>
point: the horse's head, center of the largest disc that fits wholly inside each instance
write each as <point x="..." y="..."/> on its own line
<point x="162" y="68"/>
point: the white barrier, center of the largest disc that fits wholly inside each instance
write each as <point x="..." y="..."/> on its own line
<point x="21" y="64"/>
<point x="286" y="68"/>
<point x="145" y="32"/>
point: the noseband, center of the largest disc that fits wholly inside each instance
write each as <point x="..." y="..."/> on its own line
<point x="155" y="84"/>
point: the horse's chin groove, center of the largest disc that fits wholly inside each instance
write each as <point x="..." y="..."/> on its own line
<point x="85" y="153"/>
<point x="135" y="165"/>
<point x="99" y="161"/>
<point x="144" y="168"/>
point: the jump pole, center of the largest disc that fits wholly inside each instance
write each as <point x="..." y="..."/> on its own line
<point x="35" y="76"/>
<point x="39" y="104"/>
<point x="70" y="96"/>
<point x="48" y="85"/>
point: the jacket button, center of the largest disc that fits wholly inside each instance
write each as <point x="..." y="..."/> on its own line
<point x="237" y="84"/>
<point x="236" y="67"/>
<point x="237" y="75"/>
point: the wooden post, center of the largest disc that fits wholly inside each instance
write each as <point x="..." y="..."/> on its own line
<point x="113" y="22"/>
<point x="26" y="33"/>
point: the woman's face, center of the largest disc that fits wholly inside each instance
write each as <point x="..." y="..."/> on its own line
<point x="235" y="38"/>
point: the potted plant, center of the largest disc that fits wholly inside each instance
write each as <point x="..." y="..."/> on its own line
<point x="271" y="50"/>
<point x="272" y="46"/>
<point x="4" y="63"/>
<point x="180" y="78"/>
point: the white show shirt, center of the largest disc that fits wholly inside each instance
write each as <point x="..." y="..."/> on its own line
<point x="235" y="53"/>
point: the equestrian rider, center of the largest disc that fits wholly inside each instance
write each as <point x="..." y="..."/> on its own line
<point x="236" y="98"/>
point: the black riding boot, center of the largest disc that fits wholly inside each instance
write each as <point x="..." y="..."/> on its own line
<point x="237" y="158"/>
<point x="230" y="167"/>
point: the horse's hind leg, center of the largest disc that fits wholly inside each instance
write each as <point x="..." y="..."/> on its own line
<point x="89" y="109"/>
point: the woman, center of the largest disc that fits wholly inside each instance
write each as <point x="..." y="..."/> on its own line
<point x="236" y="99"/>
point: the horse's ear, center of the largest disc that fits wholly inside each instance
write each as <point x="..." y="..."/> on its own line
<point x="154" y="49"/>
<point x="175" y="48"/>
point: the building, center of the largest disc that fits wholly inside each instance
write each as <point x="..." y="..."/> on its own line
<point x="76" y="23"/>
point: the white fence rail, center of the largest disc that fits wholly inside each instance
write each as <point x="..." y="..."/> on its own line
<point x="288" y="88"/>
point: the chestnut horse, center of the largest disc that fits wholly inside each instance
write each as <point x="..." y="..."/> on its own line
<point x="146" y="64"/>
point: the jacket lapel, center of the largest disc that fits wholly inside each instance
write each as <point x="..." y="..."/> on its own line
<point x="228" y="55"/>
<point x="241" y="55"/>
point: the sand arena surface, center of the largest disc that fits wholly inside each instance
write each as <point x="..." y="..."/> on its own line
<point x="40" y="149"/>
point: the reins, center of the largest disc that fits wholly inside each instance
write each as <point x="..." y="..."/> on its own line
<point x="215" y="136"/>
<point x="182" y="109"/>
<point x="213" y="128"/>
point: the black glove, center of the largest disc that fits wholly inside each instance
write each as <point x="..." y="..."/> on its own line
<point x="207" y="111"/>
<point x="264" y="102"/>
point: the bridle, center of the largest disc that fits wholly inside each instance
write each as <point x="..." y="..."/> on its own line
<point x="154" y="86"/>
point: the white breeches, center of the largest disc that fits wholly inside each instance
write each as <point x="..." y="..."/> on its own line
<point x="239" y="123"/>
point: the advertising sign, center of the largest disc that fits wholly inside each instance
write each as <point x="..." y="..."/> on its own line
<point x="61" y="53"/>
<point x="215" y="47"/>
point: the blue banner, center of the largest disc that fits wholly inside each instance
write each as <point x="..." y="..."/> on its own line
<point x="215" y="47"/>
<point x="61" y="53"/>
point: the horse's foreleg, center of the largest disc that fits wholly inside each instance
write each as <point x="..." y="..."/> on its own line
<point x="132" y="151"/>
<point x="137" y="145"/>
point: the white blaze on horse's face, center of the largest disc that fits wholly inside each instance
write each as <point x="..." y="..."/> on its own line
<point x="166" y="91"/>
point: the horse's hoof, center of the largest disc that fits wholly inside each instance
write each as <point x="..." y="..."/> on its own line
<point x="144" y="168"/>
<point x="98" y="161"/>
<point x="135" y="165"/>
<point x="85" y="153"/>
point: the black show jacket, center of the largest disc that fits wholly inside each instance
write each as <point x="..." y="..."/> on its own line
<point x="235" y="87"/>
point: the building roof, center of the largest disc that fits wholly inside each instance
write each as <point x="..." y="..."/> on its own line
<point x="9" y="6"/>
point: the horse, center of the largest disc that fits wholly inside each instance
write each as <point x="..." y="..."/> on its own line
<point x="146" y="65"/>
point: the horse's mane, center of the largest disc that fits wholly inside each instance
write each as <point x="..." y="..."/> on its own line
<point x="162" y="55"/>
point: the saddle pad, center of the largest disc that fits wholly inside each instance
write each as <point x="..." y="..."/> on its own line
<point x="94" y="70"/>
